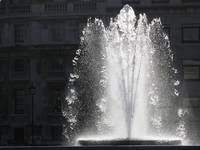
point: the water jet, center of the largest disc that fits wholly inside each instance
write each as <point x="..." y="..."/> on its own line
<point x="124" y="84"/>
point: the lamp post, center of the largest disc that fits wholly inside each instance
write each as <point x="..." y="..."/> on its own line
<point x="32" y="91"/>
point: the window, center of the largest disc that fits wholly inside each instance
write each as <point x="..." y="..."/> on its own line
<point x="167" y="30"/>
<point x="45" y="32"/>
<point x="19" y="135"/>
<point x="19" y="65"/>
<point x="20" y="33"/>
<point x="57" y="32"/>
<point x="1" y="32"/>
<point x="192" y="105"/>
<point x="3" y="133"/>
<point x="56" y="65"/>
<point x="2" y="66"/>
<point x="19" y="101"/>
<point x="191" y="33"/>
<point x="55" y="100"/>
<point x="2" y="97"/>
<point x="57" y="95"/>
<point x="191" y="70"/>
<point x="193" y="102"/>
<point x="160" y="1"/>
<point x="73" y="35"/>
<point x="56" y="132"/>
<point x="3" y="102"/>
<point x="37" y="131"/>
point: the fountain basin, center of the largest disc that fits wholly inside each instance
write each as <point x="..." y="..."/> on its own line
<point x="141" y="147"/>
<point x="86" y="142"/>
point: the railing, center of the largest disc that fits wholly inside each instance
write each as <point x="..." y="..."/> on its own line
<point x="20" y="118"/>
<point x="62" y="8"/>
<point x="19" y="10"/>
<point x="56" y="8"/>
<point x="190" y="1"/>
<point x="85" y="6"/>
<point x="51" y="8"/>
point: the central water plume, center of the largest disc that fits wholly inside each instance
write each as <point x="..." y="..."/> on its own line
<point x="127" y="51"/>
<point x="124" y="85"/>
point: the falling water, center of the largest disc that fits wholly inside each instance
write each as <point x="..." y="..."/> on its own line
<point x="124" y="81"/>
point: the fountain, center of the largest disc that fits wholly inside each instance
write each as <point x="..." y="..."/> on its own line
<point x="123" y="89"/>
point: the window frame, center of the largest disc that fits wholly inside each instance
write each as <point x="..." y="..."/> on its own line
<point x="19" y="132"/>
<point x="1" y="35"/>
<point x="20" y="70"/>
<point x="57" y="31"/>
<point x="190" y="65"/>
<point x="22" y="32"/>
<point x="16" y="110"/>
<point x="56" y="132"/>
<point x="185" y="26"/>
<point x="56" y="93"/>
<point x="189" y="100"/>
<point x="56" y="65"/>
<point x="167" y="27"/>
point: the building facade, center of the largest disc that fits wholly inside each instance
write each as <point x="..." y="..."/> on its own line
<point x="38" y="39"/>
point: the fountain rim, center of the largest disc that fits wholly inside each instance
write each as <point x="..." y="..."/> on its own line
<point x="125" y="141"/>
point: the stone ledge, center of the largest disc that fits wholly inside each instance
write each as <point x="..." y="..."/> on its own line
<point x="139" y="147"/>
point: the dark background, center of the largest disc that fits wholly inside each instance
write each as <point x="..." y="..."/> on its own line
<point x="38" y="39"/>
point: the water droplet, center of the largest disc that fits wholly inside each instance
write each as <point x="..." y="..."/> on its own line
<point x="181" y="112"/>
<point x="176" y="92"/>
<point x="157" y="122"/>
<point x="181" y="130"/>
<point x="154" y="100"/>
<point x="177" y="82"/>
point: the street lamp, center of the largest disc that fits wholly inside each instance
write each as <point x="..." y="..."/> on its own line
<point x="32" y="91"/>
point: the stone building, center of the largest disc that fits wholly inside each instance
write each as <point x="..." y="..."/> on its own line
<point x="38" y="39"/>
